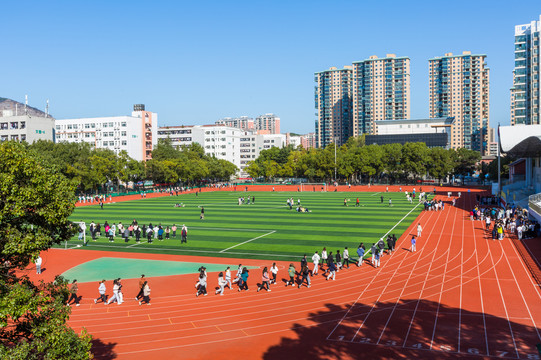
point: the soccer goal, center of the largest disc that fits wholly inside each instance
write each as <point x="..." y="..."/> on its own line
<point x="314" y="187"/>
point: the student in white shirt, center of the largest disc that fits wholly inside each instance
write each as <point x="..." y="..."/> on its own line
<point x="315" y="259"/>
<point x="274" y="272"/>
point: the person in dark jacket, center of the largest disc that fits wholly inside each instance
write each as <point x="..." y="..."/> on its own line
<point x="360" y="252"/>
<point x="338" y="260"/>
<point x="305" y="273"/>
<point x="244" y="277"/>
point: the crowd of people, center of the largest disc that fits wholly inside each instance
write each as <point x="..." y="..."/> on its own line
<point x="133" y="230"/>
<point x="512" y="219"/>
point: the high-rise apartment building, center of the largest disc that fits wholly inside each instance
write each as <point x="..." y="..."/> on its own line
<point x="525" y="99"/>
<point x="381" y="91"/>
<point x="268" y="123"/>
<point x="350" y="100"/>
<point x="333" y="102"/>
<point x="459" y="88"/>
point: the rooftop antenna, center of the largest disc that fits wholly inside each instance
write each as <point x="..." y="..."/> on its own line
<point x="47" y="109"/>
<point x="25" y="104"/>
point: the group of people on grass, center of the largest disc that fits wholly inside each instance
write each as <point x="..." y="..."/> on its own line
<point x="150" y="232"/>
<point x="245" y="200"/>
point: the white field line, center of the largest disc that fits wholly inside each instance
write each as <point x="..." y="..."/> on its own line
<point x="230" y="229"/>
<point x="134" y="245"/>
<point x="374" y="194"/>
<point x="247" y="241"/>
<point x="398" y="223"/>
<point x="209" y="252"/>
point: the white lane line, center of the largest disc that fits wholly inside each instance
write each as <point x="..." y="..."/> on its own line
<point x="199" y="251"/>
<point x="443" y="282"/>
<point x="520" y="290"/>
<point x="480" y="287"/>
<point x="134" y="245"/>
<point x="408" y="280"/>
<point x="420" y="296"/>
<point x="503" y="301"/>
<point x="398" y="223"/>
<point x="247" y="241"/>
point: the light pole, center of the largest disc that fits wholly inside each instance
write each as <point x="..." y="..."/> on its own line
<point x="335" y="140"/>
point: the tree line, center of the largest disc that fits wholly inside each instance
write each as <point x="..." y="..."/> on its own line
<point x="357" y="162"/>
<point x="90" y="169"/>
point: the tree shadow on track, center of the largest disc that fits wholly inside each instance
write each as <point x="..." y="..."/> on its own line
<point x="102" y="350"/>
<point x="319" y="339"/>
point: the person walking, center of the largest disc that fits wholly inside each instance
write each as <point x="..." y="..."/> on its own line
<point x="174" y="231"/>
<point x="38" y="263"/>
<point x="332" y="271"/>
<point x="305" y="276"/>
<point x="419" y="230"/>
<point x="315" y="259"/>
<point x="373" y="251"/>
<point x="357" y="204"/>
<point x="184" y="234"/>
<point x="237" y="276"/>
<point x="324" y="256"/>
<point x="274" y="272"/>
<point x="115" y="293"/>
<point x="291" y="273"/>
<point x="377" y="258"/>
<point x="360" y="253"/>
<point x="221" y="284"/>
<point x="413" y="244"/>
<point x="202" y="216"/>
<point x="338" y="260"/>
<point x="119" y="294"/>
<point x="264" y="280"/>
<point x="101" y="291"/>
<point x="142" y="282"/>
<point x="244" y="276"/>
<point x="228" y="277"/>
<point x="202" y="284"/>
<point x="146" y="294"/>
<point x="345" y="255"/>
<point x="73" y="294"/>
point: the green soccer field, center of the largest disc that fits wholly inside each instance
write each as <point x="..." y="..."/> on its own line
<point x="264" y="230"/>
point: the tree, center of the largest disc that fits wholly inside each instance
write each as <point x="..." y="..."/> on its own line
<point x="35" y="202"/>
<point x="466" y="161"/>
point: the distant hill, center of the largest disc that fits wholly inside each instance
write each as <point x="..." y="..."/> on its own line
<point x="8" y="104"/>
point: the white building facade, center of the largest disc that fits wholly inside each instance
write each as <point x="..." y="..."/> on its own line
<point x="26" y="128"/>
<point x="135" y="134"/>
<point x="223" y="142"/>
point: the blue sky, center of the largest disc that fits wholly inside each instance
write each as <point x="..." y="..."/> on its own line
<point x="196" y="62"/>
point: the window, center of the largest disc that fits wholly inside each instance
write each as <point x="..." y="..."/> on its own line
<point x="70" y="126"/>
<point x="104" y="125"/>
<point x="111" y="124"/>
<point x="14" y="125"/>
<point x="123" y="133"/>
<point x="124" y="142"/>
<point x="123" y="124"/>
<point x="87" y="126"/>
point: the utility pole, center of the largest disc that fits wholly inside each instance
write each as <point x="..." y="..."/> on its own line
<point x="499" y="172"/>
<point x="335" y="144"/>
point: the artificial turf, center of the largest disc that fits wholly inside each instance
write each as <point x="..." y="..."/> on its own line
<point x="265" y="230"/>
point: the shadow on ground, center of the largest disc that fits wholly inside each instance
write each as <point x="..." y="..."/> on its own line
<point x="321" y="339"/>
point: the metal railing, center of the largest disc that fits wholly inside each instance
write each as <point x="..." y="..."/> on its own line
<point x="534" y="203"/>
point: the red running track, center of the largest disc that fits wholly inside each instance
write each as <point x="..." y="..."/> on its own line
<point x="460" y="295"/>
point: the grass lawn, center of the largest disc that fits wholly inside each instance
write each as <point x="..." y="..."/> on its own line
<point x="264" y="230"/>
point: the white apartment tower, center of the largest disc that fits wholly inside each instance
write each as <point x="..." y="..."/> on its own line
<point x="381" y="91"/>
<point x="525" y="99"/>
<point x="459" y="88"/>
<point x="135" y="134"/>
